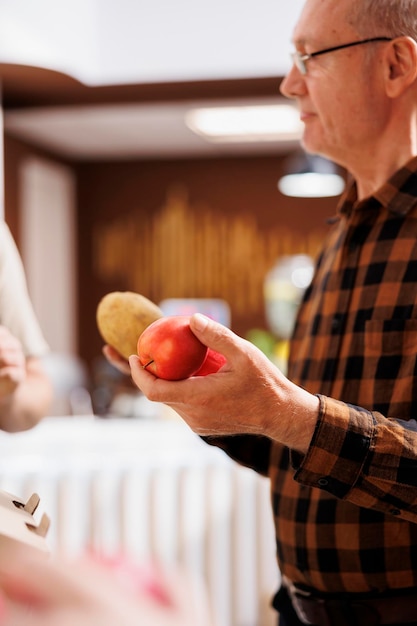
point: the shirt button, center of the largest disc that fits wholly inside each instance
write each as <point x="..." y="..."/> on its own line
<point x="323" y="482"/>
<point x="336" y="323"/>
<point x="395" y="511"/>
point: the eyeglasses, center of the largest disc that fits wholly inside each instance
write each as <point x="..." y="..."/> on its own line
<point x="300" y="60"/>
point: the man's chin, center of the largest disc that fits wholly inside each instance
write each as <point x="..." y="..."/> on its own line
<point x="311" y="146"/>
<point x="315" y="148"/>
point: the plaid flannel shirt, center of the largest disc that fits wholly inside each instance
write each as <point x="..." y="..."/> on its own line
<point x="346" y="512"/>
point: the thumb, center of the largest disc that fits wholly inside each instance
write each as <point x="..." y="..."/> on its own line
<point x="213" y="334"/>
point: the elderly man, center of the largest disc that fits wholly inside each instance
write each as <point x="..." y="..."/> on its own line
<point x="338" y="436"/>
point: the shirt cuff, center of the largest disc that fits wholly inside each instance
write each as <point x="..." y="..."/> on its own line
<point x="339" y="447"/>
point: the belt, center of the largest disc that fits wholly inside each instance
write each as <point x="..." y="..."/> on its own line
<point x="353" y="610"/>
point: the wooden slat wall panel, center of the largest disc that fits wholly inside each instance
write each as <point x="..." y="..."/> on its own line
<point x="120" y="209"/>
<point x="182" y="251"/>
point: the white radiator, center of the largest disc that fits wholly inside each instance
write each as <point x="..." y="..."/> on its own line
<point x="152" y="490"/>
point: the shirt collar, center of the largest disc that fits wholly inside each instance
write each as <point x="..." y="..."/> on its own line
<point x="398" y="195"/>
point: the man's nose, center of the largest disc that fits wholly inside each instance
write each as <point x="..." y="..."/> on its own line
<point x="293" y="84"/>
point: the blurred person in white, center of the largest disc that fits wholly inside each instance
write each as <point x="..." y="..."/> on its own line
<point x="25" y="388"/>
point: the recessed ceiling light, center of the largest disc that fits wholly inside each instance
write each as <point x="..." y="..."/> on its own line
<point x="311" y="185"/>
<point x="280" y="122"/>
<point x="311" y="176"/>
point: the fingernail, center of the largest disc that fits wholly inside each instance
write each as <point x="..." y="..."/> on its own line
<point x="200" y="321"/>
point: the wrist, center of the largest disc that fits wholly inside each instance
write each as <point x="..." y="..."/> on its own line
<point x="295" y="427"/>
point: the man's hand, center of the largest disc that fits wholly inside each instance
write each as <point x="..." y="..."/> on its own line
<point x="116" y="359"/>
<point x="248" y="395"/>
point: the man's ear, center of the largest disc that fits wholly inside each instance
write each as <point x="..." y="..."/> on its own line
<point x="401" y="59"/>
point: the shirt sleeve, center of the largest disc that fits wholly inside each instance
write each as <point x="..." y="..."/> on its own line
<point x="16" y="310"/>
<point x="364" y="458"/>
<point x="247" y="450"/>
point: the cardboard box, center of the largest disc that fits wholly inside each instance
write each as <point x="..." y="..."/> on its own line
<point x="17" y="523"/>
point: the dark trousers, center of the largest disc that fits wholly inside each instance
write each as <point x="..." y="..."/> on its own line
<point x="288" y="616"/>
<point x="283" y="621"/>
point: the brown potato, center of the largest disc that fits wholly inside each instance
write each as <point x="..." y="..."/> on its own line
<point x="122" y="316"/>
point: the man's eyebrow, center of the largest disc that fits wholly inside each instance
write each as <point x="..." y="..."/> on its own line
<point x="299" y="43"/>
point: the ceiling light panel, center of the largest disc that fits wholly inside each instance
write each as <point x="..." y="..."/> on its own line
<point x="275" y="122"/>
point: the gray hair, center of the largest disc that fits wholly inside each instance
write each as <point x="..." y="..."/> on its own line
<point x="393" y="18"/>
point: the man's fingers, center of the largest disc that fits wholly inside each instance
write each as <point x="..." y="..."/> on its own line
<point x="116" y="359"/>
<point x="212" y="334"/>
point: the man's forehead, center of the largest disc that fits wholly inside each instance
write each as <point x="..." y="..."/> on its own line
<point x="322" y="20"/>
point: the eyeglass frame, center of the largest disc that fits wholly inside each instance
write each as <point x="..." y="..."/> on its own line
<point x="299" y="59"/>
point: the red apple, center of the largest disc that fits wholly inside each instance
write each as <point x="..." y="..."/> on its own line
<point x="169" y="349"/>
<point x="212" y="363"/>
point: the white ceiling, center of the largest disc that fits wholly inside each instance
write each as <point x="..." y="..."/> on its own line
<point x="128" y="131"/>
<point x="141" y="41"/>
<point x="103" y="42"/>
